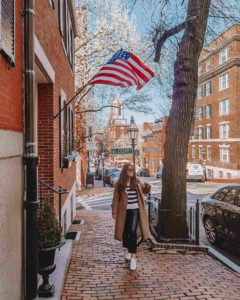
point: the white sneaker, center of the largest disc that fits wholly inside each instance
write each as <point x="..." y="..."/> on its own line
<point x="133" y="264"/>
<point x="128" y="256"/>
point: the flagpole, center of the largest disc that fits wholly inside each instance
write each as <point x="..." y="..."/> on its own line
<point x="74" y="97"/>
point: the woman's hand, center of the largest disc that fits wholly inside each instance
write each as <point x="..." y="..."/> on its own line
<point x="114" y="216"/>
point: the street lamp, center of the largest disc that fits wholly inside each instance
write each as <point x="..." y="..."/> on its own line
<point x="133" y="135"/>
<point x="103" y="171"/>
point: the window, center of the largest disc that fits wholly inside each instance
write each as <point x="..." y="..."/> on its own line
<point x="200" y="113"/>
<point x="199" y="70"/>
<point x="208" y="132"/>
<point x="229" y="175"/>
<point x="224" y="131"/>
<point x="119" y="111"/>
<point x="220" y="173"/>
<point x="209" y="153"/>
<point x="193" y="152"/>
<point x="223" y="81"/>
<point x="208" y="65"/>
<point x="7" y="29"/>
<point x="228" y="195"/>
<point x="208" y="88"/>
<point x="224" y="107"/>
<point x="200" y="133"/>
<point x="200" y="91"/>
<point x="65" y="28"/>
<point x="200" y="149"/>
<point x="224" y="154"/>
<point x="223" y="56"/>
<point x="208" y="110"/>
<point x="66" y="131"/>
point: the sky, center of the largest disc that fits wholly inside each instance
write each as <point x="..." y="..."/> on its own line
<point x="160" y="93"/>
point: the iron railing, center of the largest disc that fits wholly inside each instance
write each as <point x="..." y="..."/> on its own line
<point x="193" y="218"/>
<point x="60" y="191"/>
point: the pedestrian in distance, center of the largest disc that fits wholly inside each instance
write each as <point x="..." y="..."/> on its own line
<point x="130" y="212"/>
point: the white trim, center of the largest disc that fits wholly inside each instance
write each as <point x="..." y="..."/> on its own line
<point x="42" y="57"/>
<point x="215" y="140"/>
<point x="209" y="146"/>
<point x="224" y="146"/>
<point x="200" y="126"/>
<point x="224" y="122"/>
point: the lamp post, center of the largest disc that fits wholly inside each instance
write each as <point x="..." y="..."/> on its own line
<point x="133" y="135"/>
<point x="103" y="171"/>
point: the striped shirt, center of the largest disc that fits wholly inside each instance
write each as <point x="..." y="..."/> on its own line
<point x="132" y="198"/>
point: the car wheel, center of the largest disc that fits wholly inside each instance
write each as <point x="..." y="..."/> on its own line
<point x="211" y="233"/>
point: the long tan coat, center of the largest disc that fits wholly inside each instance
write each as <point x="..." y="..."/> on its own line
<point x="119" y="207"/>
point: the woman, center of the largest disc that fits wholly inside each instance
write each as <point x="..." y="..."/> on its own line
<point x="129" y="211"/>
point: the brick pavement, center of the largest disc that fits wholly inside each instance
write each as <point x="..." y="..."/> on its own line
<point x="98" y="269"/>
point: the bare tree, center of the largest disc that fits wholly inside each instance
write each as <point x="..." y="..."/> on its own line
<point x="173" y="222"/>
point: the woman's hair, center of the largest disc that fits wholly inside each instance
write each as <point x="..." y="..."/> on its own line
<point x="122" y="181"/>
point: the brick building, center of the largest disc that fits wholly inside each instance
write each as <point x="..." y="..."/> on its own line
<point x="117" y="135"/>
<point x="153" y="144"/>
<point x="216" y="135"/>
<point x="11" y="152"/>
<point x="55" y="30"/>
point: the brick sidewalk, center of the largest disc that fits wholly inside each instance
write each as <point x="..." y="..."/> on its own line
<point x="98" y="269"/>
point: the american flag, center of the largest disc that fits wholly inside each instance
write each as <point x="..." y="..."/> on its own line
<point x="124" y="69"/>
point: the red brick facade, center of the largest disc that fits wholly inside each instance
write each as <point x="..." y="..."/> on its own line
<point x="11" y="99"/>
<point x="49" y="36"/>
<point x="218" y="108"/>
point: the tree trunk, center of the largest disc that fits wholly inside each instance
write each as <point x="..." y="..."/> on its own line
<point x="172" y="215"/>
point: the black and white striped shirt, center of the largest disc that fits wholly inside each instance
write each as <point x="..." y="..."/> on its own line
<point x="132" y="198"/>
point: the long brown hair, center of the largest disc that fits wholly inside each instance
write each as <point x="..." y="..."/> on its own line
<point x="122" y="181"/>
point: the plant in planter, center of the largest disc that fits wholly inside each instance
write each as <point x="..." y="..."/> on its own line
<point x="49" y="238"/>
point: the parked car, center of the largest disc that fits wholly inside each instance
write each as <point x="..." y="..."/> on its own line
<point x="221" y="214"/>
<point x="114" y="178"/>
<point x="196" y="171"/>
<point x="144" y="172"/>
<point x="108" y="173"/>
<point x="159" y="172"/>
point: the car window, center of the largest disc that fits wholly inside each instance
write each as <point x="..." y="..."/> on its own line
<point x="227" y="195"/>
<point x="238" y="198"/>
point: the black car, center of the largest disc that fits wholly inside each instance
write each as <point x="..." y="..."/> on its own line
<point x="108" y="173"/>
<point x="221" y="214"/>
<point x="144" y="172"/>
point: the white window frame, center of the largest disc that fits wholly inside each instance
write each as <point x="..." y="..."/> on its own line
<point x="208" y="65"/>
<point x="224" y="83"/>
<point x="199" y="70"/>
<point x="200" y="152"/>
<point x="208" y="88"/>
<point x="224" y="129"/>
<point x="209" y="153"/>
<point x="208" y="110"/>
<point x="200" y="128"/>
<point x="193" y="151"/>
<point x="224" y="154"/>
<point x="226" y="112"/>
<point x="223" y="56"/>
<point x="208" y="132"/>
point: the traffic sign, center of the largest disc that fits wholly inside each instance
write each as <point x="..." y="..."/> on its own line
<point x="124" y="151"/>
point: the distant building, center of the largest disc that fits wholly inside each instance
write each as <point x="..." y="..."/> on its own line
<point x="117" y="134"/>
<point x="153" y="144"/>
<point x="215" y="140"/>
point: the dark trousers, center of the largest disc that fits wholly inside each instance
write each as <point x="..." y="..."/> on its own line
<point x="130" y="230"/>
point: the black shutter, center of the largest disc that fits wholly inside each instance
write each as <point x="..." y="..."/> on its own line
<point x="7" y="44"/>
<point x="210" y="132"/>
<point x="60" y="133"/>
<point x="210" y="110"/>
<point x="60" y="16"/>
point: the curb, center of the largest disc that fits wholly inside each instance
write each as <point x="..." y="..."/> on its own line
<point x="179" y="248"/>
<point x="223" y="259"/>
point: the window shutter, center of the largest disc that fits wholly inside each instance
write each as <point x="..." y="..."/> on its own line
<point x="61" y="133"/>
<point x="7" y="44"/>
<point x="73" y="130"/>
<point x="210" y="110"/>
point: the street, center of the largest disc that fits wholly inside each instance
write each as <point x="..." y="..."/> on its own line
<point x="195" y="190"/>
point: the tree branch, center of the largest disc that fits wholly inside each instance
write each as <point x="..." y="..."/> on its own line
<point x="164" y="37"/>
<point x="96" y="110"/>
